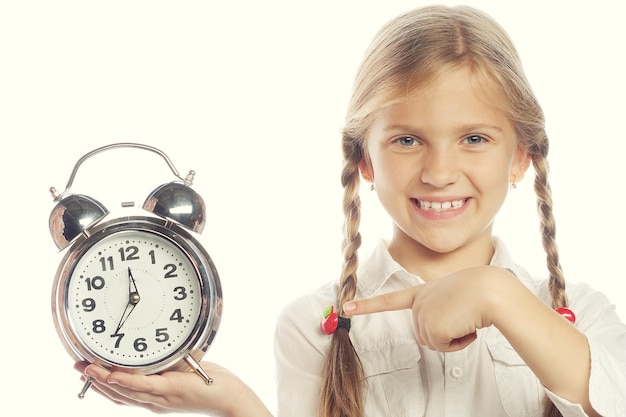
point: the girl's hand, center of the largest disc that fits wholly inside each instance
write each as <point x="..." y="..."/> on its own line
<point x="176" y="391"/>
<point x="447" y="311"/>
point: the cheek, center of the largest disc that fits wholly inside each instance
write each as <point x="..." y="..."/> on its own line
<point x="392" y="173"/>
<point x="491" y="177"/>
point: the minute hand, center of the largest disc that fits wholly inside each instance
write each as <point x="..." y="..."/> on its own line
<point x="133" y="300"/>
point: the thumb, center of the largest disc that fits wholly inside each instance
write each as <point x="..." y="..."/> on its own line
<point x="397" y="300"/>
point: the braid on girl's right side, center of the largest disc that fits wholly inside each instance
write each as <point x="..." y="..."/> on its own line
<point x="548" y="229"/>
<point x="343" y="376"/>
<point x="556" y="283"/>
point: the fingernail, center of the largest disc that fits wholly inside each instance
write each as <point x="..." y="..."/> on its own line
<point x="113" y="381"/>
<point x="90" y="372"/>
<point x="349" y="307"/>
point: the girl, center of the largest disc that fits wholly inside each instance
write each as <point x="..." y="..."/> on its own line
<point x="442" y="122"/>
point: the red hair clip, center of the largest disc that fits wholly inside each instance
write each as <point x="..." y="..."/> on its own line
<point x="332" y="321"/>
<point x="567" y="314"/>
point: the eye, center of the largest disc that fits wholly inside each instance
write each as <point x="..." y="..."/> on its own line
<point x="474" y="139"/>
<point x="406" y="141"/>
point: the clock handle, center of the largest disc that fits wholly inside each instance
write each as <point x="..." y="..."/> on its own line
<point x="193" y="364"/>
<point x="86" y="387"/>
<point x="188" y="180"/>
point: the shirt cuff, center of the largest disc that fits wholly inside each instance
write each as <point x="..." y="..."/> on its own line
<point x="605" y="387"/>
<point x="566" y="408"/>
<point x="607" y="381"/>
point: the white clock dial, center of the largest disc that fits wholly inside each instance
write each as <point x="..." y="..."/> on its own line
<point x="133" y="298"/>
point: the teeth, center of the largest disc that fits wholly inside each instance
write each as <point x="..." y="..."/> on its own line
<point x="440" y="206"/>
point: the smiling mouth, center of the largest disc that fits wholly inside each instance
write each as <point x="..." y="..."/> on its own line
<point x="440" y="205"/>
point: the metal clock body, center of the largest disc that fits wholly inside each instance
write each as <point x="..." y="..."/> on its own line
<point x="138" y="294"/>
<point x="135" y="292"/>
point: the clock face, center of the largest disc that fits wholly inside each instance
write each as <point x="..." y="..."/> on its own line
<point x="132" y="298"/>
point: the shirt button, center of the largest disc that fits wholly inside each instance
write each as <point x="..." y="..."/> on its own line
<point x="456" y="372"/>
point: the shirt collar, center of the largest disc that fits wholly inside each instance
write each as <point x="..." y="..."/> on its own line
<point x="379" y="267"/>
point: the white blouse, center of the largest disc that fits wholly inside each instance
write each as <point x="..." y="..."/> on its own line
<point x="488" y="378"/>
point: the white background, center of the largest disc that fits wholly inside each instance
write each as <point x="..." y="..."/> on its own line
<point x="251" y="95"/>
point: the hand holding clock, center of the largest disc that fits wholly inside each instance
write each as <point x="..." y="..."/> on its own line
<point x="178" y="391"/>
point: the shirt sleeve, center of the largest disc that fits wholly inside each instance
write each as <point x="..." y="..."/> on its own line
<point x="597" y="319"/>
<point x="300" y="350"/>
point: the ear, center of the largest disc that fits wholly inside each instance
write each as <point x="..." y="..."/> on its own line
<point x="365" y="168"/>
<point x="520" y="165"/>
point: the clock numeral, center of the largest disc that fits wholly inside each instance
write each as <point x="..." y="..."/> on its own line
<point x="181" y="293"/>
<point x="119" y="336"/>
<point x="106" y="261"/>
<point x="89" y="304"/>
<point x="140" y="344"/>
<point x="152" y="257"/>
<point x="129" y="253"/>
<point x="162" y="335"/>
<point x="95" y="283"/>
<point x="170" y="271"/>
<point x="177" y="315"/>
<point x="98" y="326"/>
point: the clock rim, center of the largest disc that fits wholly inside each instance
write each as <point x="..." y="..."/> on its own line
<point x="207" y="324"/>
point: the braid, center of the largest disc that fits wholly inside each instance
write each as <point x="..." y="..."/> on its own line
<point x="352" y="214"/>
<point x="548" y="228"/>
<point x="341" y="394"/>
<point x="556" y="283"/>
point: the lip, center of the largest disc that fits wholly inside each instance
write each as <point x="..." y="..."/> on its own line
<point x="434" y="214"/>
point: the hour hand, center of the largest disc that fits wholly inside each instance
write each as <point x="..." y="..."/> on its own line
<point x="133" y="294"/>
<point x="132" y="287"/>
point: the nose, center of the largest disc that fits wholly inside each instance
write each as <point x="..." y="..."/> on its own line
<point x="439" y="167"/>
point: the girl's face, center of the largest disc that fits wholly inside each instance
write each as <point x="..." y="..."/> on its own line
<point x="442" y="163"/>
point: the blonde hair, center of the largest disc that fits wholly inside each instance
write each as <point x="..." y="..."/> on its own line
<point x="405" y="54"/>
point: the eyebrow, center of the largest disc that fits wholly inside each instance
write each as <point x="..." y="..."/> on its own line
<point x="480" y="126"/>
<point x="465" y="128"/>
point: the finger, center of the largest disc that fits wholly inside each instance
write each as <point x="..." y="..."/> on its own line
<point x="462" y="342"/>
<point x="80" y="366"/>
<point x="446" y="346"/>
<point x="397" y="300"/>
<point x="106" y="392"/>
<point x="100" y="385"/>
<point x="121" y="386"/>
<point x="95" y="372"/>
<point x="129" y="398"/>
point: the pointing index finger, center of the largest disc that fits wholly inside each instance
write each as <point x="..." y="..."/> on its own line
<point x="397" y="300"/>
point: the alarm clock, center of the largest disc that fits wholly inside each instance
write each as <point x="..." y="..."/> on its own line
<point x="136" y="292"/>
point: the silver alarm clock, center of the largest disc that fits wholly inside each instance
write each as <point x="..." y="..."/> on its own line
<point x="137" y="293"/>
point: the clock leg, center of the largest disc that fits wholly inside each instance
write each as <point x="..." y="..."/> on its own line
<point x="87" y="385"/>
<point x="193" y="364"/>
